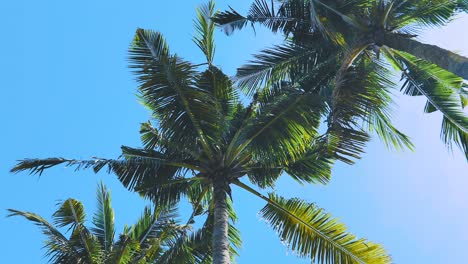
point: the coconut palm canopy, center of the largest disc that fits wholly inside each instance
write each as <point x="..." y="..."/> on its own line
<point x="374" y="40"/>
<point x="150" y="240"/>
<point x="201" y="140"/>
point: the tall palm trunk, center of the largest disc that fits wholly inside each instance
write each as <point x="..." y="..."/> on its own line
<point x="221" y="222"/>
<point x="441" y="57"/>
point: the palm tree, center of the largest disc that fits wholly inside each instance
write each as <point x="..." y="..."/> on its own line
<point x="202" y="141"/>
<point x="350" y="36"/>
<point x="148" y="241"/>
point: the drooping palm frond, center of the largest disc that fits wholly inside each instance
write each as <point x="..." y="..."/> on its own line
<point x="451" y="134"/>
<point x="311" y="233"/>
<point x="431" y="13"/>
<point x="443" y="90"/>
<point x="59" y="248"/>
<point x="390" y="135"/>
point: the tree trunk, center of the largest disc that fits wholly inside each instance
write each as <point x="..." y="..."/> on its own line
<point x="221" y="222"/>
<point x="443" y="58"/>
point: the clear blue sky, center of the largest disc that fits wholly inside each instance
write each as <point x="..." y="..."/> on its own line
<point x="66" y="91"/>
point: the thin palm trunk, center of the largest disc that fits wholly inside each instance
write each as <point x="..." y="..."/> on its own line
<point x="221" y="222"/>
<point x="443" y="58"/>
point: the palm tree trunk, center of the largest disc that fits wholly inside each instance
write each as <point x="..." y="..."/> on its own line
<point x="221" y="222"/>
<point x="443" y="58"/>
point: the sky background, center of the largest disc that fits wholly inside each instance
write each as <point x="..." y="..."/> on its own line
<point x="67" y="91"/>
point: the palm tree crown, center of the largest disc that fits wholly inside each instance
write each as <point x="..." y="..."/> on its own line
<point x="361" y="40"/>
<point x="202" y="140"/>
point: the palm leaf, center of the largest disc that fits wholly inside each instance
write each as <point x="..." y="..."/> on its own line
<point x="166" y="85"/>
<point x="443" y="90"/>
<point x="59" y="249"/>
<point x="283" y="126"/>
<point x="149" y="135"/>
<point x="315" y="165"/>
<point x="204" y="27"/>
<point x="311" y="233"/>
<point x="430" y="13"/>
<point x="450" y="134"/>
<point x="103" y="219"/>
<point x="287" y="61"/>
<point x="71" y="213"/>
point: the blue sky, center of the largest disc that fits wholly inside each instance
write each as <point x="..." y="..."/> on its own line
<point x="67" y="91"/>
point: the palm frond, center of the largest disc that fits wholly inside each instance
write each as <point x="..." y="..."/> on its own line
<point x="390" y="135"/>
<point x="315" y="165"/>
<point x="283" y="126"/>
<point x="204" y="27"/>
<point x="103" y="219"/>
<point x="230" y="20"/>
<point x="149" y="135"/>
<point x="311" y="233"/>
<point x="59" y="250"/>
<point x="429" y="13"/>
<point x="281" y="62"/>
<point x="440" y="87"/>
<point x="263" y="177"/>
<point x="71" y="213"/>
<point x="124" y="249"/>
<point x="451" y="134"/>
<point x="152" y="231"/>
<point x="214" y="82"/>
<point x="185" y="113"/>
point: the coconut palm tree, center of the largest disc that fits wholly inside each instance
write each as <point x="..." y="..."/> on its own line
<point x="150" y="240"/>
<point x="351" y="35"/>
<point x="202" y="140"/>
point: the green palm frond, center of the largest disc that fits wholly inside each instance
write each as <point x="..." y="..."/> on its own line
<point x="431" y="13"/>
<point x="450" y="134"/>
<point x="287" y="61"/>
<point x="141" y="243"/>
<point x="311" y="233"/>
<point x="393" y="138"/>
<point x="282" y="17"/>
<point x="220" y="87"/>
<point x="124" y="249"/>
<point x="71" y="214"/>
<point x="103" y="219"/>
<point x="291" y="16"/>
<point x="185" y="114"/>
<point x="283" y="126"/>
<point x="263" y="177"/>
<point x="443" y="90"/>
<point x="204" y="27"/>
<point x="149" y="135"/>
<point x="315" y="165"/>
<point x="152" y="231"/>
<point x="59" y="249"/>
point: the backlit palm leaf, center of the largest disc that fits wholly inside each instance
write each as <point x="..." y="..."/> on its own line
<point x="311" y="233"/>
